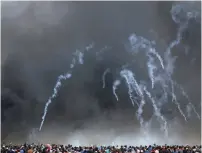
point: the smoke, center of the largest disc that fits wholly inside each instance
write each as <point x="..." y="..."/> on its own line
<point x="39" y="42"/>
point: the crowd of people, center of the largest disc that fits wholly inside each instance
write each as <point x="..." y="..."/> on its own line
<point x="53" y="148"/>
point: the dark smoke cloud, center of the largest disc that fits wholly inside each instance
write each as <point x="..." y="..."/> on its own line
<point x="38" y="39"/>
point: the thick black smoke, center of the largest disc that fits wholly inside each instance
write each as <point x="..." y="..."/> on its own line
<point x="38" y="39"/>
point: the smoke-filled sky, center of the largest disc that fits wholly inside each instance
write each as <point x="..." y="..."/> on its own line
<point x="38" y="40"/>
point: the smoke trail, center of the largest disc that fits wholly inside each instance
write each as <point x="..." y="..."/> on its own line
<point x="174" y="99"/>
<point x="151" y="68"/>
<point x="181" y="16"/>
<point x="151" y="64"/>
<point x="102" y="51"/>
<point x="137" y="43"/>
<point x="133" y="85"/>
<point x="133" y="82"/>
<point x="182" y="12"/>
<point x="115" y="85"/>
<point x="164" y="86"/>
<point x="55" y="92"/>
<point x="73" y="63"/>
<point x="104" y="75"/>
<point x="157" y="112"/>
<point x="89" y="47"/>
<point x="79" y="55"/>
<point x="187" y="97"/>
<point x="140" y="112"/>
<point x="166" y="91"/>
<point x="153" y="51"/>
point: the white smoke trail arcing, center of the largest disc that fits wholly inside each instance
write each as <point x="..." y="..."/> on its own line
<point x="187" y="97"/>
<point x="55" y="92"/>
<point x="174" y="99"/>
<point x="134" y="87"/>
<point x="115" y="85"/>
<point x="137" y="43"/>
<point x="151" y="67"/>
<point x="104" y="75"/>
<point x="131" y="83"/>
<point x="158" y="113"/>
<point x="79" y="56"/>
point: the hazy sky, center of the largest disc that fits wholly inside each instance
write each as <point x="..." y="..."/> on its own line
<point x="38" y="39"/>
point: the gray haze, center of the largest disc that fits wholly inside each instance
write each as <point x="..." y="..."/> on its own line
<point x="38" y="39"/>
